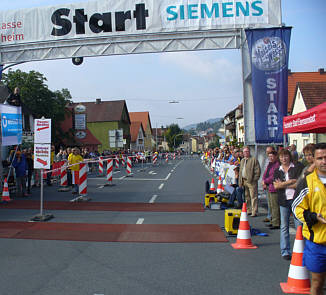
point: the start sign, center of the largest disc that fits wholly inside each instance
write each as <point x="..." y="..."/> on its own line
<point x="42" y="156"/>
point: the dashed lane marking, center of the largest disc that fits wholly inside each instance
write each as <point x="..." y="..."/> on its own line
<point x="161" y="186"/>
<point x="152" y="200"/>
<point x="140" y="221"/>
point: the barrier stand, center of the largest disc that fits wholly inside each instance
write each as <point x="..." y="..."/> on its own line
<point x="129" y="167"/>
<point x="41" y="216"/>
<point x="63" y="178"/>
<point x="83" y="182"/>
<point x="154" y="159"/>
<point x="109" y="173"/>
<point x="100" y="167"/>
<point x="117" y="163"/>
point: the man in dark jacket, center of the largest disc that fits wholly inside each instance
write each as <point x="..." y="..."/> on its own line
<point x="20" y="165"/>
<point x="14" y="98"/>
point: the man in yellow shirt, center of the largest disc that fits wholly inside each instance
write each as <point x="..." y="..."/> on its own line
<point x="73" y="159"/>
<point x="309" y="207"/>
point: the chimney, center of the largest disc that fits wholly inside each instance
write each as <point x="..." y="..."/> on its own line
<point x="321" y="71"/>
<point x="98" y="101"/>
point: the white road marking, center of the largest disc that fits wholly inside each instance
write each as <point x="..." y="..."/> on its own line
<point x="140" y="221"/>
<point x="101" y="186"/>
<point x="122" y="177"/>
<point x="166" y="178"/>
<point x="153" y="199"/>
<point x="161" y="186"/>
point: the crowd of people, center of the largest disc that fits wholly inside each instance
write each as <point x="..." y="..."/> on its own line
<point x="294" y="186"/>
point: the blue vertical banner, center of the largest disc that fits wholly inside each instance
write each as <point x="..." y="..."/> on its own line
<point x="11" y="125"/>
<point x="269" y="54"/>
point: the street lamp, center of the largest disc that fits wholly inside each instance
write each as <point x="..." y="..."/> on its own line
<point x="175" y="136"/>
<point x="173" y="101"/>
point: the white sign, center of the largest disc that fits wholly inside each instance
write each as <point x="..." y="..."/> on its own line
<point x="42" y="131"/>
<point x="80" y="121"/>
<point x="115" y="18"/>
<point x="42" y="156"/>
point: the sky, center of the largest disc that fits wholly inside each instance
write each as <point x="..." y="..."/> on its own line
<point x="207" y="84"/>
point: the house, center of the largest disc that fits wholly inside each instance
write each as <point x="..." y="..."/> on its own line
<point x="295" y="77"/>
<point x="230" y="126"/>
<point x="306" y="96"/>
<point x="137" y="134"/>
<point x="144" y="118"/>
<point x="158" y="137"/>
<point x="239" y="122"/>
<point x="108" y="122"/>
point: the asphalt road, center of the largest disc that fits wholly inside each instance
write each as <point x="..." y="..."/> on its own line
<point x="42" y="267"/>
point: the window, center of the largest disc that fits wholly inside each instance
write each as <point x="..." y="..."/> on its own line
<point x="305" y="142"/>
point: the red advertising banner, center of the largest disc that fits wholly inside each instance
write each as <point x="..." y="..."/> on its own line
<point x="310" y="121"/>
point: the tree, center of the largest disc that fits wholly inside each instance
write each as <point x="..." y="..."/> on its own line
<point x="171" y="136"/>
<point x="40" y="100"/>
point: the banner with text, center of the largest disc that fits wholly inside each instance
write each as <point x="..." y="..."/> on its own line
<point x="269" y="52"/>
<point x="11" y="125"/>
<point x="99" y="18"/>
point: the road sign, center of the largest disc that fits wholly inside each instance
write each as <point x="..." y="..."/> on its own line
<point x="42" y="131"/>
<point x="42" y="156"/>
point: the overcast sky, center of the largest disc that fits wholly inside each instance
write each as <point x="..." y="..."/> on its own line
<point x="208" y="84"/>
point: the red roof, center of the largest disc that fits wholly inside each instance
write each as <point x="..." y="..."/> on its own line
<point x="294" y="78"/>
<point x="134" y="130"/>
<point x="141" y="117"/>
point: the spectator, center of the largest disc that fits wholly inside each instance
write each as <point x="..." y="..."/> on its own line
<point x="308" y="152"/>
<point x="73" y="159"/>
<point x="30" y="168"/>
<point x="268" y="178"/>
<point x="14" y="98"/>
<point x="248" y="179"/>
<point x="294" y="153"/>
<point x="285" y="179"/>
<point x="265" y="187"/>
<point x="20" y="165"/>
<point x="237" y="193"/>
<point x="309" y="207"/>
<point x="49" y="175"/>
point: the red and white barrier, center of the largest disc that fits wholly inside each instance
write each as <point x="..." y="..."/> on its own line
<point x="166" y="157"/>
<point x="109" y="171"/>
<point x="82" y="179"/>
<point x="116" y="162"/>
<point x="129" y="166"/>
<point x="123" y="161"/>
<point x="100" y="166"/>
<point x="154" y="159"/>
<point x="63" y="175"/>
<point x="174" y="156"/>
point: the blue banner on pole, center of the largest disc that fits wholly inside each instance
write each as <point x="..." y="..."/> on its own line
<point x="269" y="53"/>
<point x="11" y="125"/>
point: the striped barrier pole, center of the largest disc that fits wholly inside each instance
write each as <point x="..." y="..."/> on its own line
<point x="100" y="166"/>
<point x="129" y="166"/>
<point x="63" y="178"/>
<point x="154" y="159"/>
<point x="123" y="161"/>
<point x="174" y="156"/>
<point x="83" y="182"/>
<point x="109" y="172"/>
<point x="166" y="157"/>
<point x="117" y="163"/>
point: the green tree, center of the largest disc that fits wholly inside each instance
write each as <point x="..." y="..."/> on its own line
<point x="171" y="136"/>
<point x="40" y="100"/>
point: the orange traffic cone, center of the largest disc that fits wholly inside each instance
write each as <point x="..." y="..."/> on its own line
<point x="219" y="185"/>
<point x="244" y="236"/>
<point x="212" y="186"/>
<point x="5" y="192"/>
<point x="298" y="278"/>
